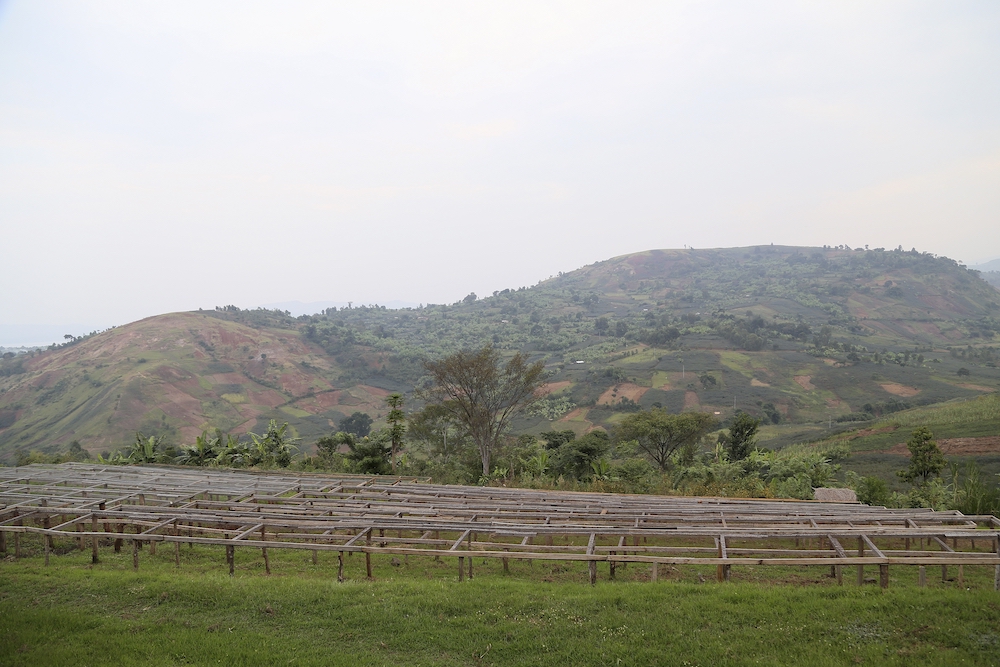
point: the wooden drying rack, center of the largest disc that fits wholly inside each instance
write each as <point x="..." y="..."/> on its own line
<point x="159" y="505"/>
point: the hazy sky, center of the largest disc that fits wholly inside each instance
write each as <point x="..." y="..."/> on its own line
<point x="160" y="156"/>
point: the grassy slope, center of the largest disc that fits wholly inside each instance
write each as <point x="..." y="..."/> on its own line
<point x="73" y="613"/>
<point x="953" y="419"/>
<point x="173" y="375"/>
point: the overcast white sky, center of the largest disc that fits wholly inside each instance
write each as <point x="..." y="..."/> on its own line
<point x="161" y="156"/>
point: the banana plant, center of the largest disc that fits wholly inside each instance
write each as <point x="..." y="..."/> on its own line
<point x="601" y="468"/>
<point x="202" y="452"/>
<point x="143" y="449"/>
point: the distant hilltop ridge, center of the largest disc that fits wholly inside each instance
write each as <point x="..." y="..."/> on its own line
<point x="791" y="334"/>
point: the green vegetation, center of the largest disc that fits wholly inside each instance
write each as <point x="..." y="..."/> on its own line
<point x="793" y="336"/>
<point x="417" y="614"/>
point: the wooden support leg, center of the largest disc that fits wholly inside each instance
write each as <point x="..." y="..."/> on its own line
<point x="883" y="576"/>
<point x="368" y="556"/>
<point x="93" y="541"/>
<point x="922" y="577"/>
<point x="996" y="568"/>
<point x="119" y="528"/>
<point x="838" y="571"/>
<point x="654" y="570"/>
<point x="961" y="576"/>
<point x="231" y="558"/>
<point x="340" y="566"/>
<point x="461" y="568"/>
<point x="611" y="568"/>
<point x="593" y="572"/>
<point x="315" y="556"/>
<point x="861" y="568"/>
<point x="506" y="564"/>
<point x="3" y="543"/>
<point x="177" y="554"/>
<point x="45" y="542"/>
<point x="135" y="554"/>
<point x="944" y="573"/>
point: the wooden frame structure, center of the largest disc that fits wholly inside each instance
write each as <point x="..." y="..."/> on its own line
<point x="160" y="505"/>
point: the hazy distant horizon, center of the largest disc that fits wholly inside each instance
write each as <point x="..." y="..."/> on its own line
<point x="158" y="157"/>
<point x="44" y="334"/>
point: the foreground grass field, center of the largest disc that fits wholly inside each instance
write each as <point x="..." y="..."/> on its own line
<point x="416" y="613"/>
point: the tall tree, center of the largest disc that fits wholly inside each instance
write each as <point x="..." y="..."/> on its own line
<point x="926" y="459"/>
<point x="660" y="433"/>
<point x="397" y="425"/>
<point x="484" y="393"/>
<point x="742" y="436"/>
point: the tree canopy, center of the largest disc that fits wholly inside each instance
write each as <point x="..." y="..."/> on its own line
<point x="484" y="393"/>
<point x="358" y="424"/>
<point x="659" y="433"/>
<point x="742" y="436"/>
<point x="926" y="459"/>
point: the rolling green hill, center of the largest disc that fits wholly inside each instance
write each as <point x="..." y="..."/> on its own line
<point x="796" y="335"/>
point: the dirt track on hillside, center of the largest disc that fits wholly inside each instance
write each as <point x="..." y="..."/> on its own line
<point x="958" y="446"/>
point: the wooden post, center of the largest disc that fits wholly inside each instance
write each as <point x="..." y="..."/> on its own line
<point x="883" y="575"/>
<point x="45" y="542"/>
<point x="263" y="551"/>
<point x="996" y="568"/>
<point x="838" y="571"/>
<point x="654" y="570"/>
<point x="46" y="524"/>
<point x="461" y="568"/>
<point x="368" y="556"/>
<point x="470" y="555"/>
<point x="315" y="556"/>
<point x="231" y="558"/>
<point x="340" y="566"/>
<point x="135" y="554"/>
<point x="94" y="540"/>
<point x="944" y="573"/>
<point x="17" y="537"/>
<point x="922" y="578"/>
<point x="592" y="564"/>
<point x="861" y="568"/>
<point x="506" y="564"/>
<point x="3" y="543"/>
<point x="119" y="528"/>
<point x="961" y="576"/>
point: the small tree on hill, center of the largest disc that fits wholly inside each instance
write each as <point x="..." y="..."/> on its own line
<point x="926" y="459"/>
<point x="358" y="423"/>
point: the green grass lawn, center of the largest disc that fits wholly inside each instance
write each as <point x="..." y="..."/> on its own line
<point x="417" y="613"/>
